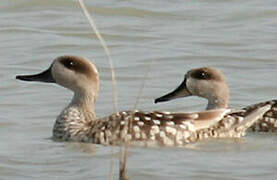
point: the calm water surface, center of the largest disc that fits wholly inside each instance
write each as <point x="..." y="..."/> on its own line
<point x="239" y="37"/>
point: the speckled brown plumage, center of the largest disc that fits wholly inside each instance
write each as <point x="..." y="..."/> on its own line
<point x="150" y="128"/>
<point x="77" y="122"/>
<point x="210" y="83"/>
<point x="267" y="123"/>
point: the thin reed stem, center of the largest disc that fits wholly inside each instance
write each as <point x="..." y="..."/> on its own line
<point x="105" y="47"/>
<point x="143" y="83"/>
<point x="123" y="153"/>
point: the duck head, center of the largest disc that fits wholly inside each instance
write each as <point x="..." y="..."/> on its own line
<point x="73" y="72"/>
<point x="206" y="82"/>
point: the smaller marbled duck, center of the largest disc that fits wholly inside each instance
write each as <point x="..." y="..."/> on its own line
<point x="77" y="122"/>
<point x="210" y="83"/>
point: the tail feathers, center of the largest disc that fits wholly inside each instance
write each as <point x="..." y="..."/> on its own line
<point x="267" y="123"/>
<point x="254" y="106"/>
<point x="251" y="117"/>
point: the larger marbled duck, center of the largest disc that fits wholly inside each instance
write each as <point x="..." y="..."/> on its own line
<point x="77" y="122"/>
<point x="210" y="83"/>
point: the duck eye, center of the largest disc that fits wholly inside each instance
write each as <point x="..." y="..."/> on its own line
<point x="202" y="75"/>
<point x="69" y="64"/>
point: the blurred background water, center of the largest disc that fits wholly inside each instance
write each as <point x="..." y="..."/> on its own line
<point x="238" y="37"/>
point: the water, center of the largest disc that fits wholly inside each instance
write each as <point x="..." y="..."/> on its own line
<point x="239" y="37"/>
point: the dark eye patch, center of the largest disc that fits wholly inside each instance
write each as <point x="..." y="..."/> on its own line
<point x="202" y="74"/>
<point x="77" y="65"/>
<point x="68" y="63"/>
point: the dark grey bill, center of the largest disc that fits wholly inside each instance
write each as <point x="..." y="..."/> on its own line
<point x="45" y="76"/>
<point x="180" y="91"/>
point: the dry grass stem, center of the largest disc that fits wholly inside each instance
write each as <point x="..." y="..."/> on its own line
<point x="123" y="153"/>
<point x="143" y="83"/>
<point x="105" y="47"/>
<point x="103" y="43"/>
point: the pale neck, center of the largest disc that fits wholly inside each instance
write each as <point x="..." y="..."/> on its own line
<point x="85" y="101"/>
<point x="217" y="103"/>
